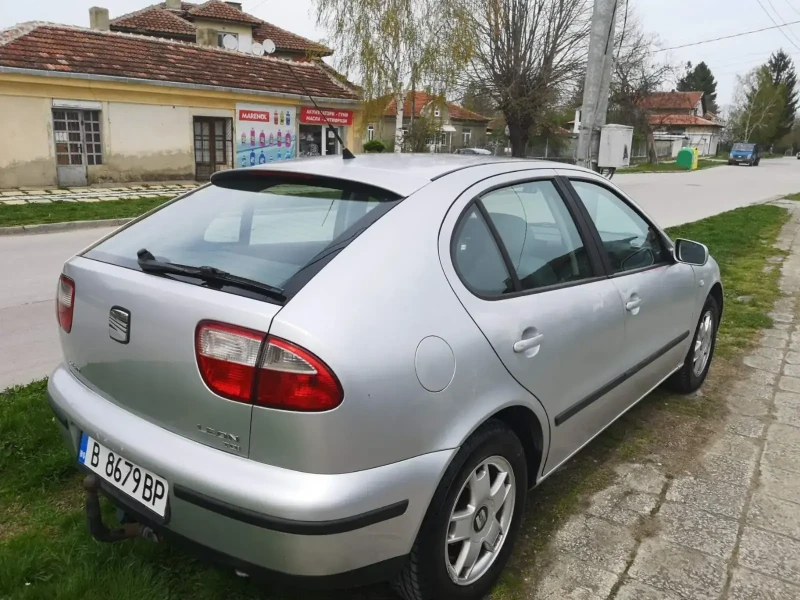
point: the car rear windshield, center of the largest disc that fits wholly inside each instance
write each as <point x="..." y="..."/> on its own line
<point x="274" y="228"/>
<point x="746" y="147"/>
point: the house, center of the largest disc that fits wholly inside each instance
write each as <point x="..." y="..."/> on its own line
<point x="170" y="92"/>
<point x="683" y="115"/>
<point x="456" y="126"/>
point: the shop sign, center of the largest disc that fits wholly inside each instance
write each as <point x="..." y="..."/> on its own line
<point x="312" y="116"/>
<point x="264" y="134"/>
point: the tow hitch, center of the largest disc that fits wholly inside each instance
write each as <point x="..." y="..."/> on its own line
<point x="94" y="518"/>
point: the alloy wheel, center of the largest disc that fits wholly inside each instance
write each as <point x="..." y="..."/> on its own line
<point x="703" y="344"/>
<point x="480" y="520"/>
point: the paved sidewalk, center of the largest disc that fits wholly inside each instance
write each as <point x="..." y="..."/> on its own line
<point x="92" y="194"/>
<point x="727" y="529"/>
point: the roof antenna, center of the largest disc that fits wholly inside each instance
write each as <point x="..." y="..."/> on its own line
<point x="269" y="48"/>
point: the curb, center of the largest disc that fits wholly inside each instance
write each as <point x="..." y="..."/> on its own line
<point x="66" y="226"/>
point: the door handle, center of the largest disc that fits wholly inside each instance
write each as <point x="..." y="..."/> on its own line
<point x="633" y="304"/>
<point x="528" y="343"/>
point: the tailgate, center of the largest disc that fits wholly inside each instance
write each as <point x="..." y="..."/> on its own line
<point x="155" y="375"/>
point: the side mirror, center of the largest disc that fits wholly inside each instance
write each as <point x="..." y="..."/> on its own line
<point x="691" y="253"/>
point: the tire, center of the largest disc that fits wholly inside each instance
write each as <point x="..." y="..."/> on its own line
<point x="427" y="575"/>
<point x="685" y="380"/>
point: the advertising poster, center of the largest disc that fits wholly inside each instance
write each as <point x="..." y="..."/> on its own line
<point x="264" y="134"/>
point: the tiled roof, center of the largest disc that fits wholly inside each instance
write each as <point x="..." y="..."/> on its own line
<point x="157" y="19"/>
<point x="288" y="41"/>
<point x="671" y="100"/>
<point x="422" y="99"/>
<point x="690" y="120"/>
<point x="215" y="9"/>
<point x="60" y="48"/>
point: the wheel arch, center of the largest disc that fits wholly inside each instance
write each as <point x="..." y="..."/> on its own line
<point x="716" y="293"/>
<point x="526" y="425"/>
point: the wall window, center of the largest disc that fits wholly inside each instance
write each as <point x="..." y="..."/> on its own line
<point x="538" y="232"/>
<point x="77" y="137"/>
<point x="629" y="241"/>
<point x="370" y="132"/>
<point x="222" y="35"/>
<point x="437" y="113"/>
<point x="466" y="136"/>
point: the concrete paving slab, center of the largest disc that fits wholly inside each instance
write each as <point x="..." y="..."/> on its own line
<point x="746" y="426"/>
<point x="748" y="405"/>
<point x="770" y="554"/>
<point x="750" y="585"/>
<point x="789" y="384"/>
<point x="621" y="504"/>
<point x="774" y="514"/>
<point x="787" y="407"/>
<point x="715" y="497"/>
<point x="780" y="483"/>
<point x="781" y="433"/>
<point x="679" y="570"/>
<point x="645" y="478"/>
<point x="781" y="456"/>
<point x="698" y="529"/>
<point x="596" y="541"/>
<point x="772" y="365"/>
<point x="568" y="577"/>
<point x="635" y="590"/>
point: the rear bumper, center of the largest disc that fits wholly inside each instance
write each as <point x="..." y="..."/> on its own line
<point x="256" y="516"/>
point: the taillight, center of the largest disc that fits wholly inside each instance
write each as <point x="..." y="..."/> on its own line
<point x="65" y="302"/>
<point x="291" y="378"/>
<point x="227" y="357"/>
<point x="287" y="378"/>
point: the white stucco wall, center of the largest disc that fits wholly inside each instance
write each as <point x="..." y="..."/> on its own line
<point x="27" y="152"/>
<point x="146" y="142"/>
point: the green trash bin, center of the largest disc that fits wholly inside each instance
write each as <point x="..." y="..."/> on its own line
<point x="685" y="158"/>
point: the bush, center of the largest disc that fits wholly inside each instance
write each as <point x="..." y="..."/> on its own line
<point x="374" y="146"/>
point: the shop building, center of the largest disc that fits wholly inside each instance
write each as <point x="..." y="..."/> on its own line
<point x="166" y="93"/>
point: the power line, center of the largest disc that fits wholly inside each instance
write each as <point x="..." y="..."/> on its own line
<point x="775" y="10"/>
<point x="780" y="27"/>
<point x="728" y="37"/>
<point x="792" y="6"/>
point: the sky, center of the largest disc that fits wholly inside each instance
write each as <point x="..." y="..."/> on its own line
<point x="671" y="22"/>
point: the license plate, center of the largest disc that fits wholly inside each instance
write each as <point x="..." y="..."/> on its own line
<point x="138" y="483"/>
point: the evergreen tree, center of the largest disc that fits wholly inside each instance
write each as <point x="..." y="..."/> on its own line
<point x="782" y="73"/>
<point x="700" y="79"/>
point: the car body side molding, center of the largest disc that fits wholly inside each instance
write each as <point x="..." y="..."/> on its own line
<point x="597" y="394"/>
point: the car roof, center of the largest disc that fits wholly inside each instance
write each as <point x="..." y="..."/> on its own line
<point x="402" y="174"/>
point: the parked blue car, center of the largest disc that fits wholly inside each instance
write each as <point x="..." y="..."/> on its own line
<point x="745" y="153"/>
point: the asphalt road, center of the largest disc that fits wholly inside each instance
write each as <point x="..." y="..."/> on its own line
<point x="30" y="264"/>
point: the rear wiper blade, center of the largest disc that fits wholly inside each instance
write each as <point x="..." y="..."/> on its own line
<point x="150" y="264"/>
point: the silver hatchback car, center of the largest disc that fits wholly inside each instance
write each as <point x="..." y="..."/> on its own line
<point x="341" y="372"/>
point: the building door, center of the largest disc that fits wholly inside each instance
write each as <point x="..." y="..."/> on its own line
<point x="77" y="138"/>
<point x="213" y="146"/>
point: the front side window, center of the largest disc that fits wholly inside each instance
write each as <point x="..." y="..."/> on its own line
<point x="539" y="234"/>
<point x="628" y="240"/>
<point x="477" y="258"/>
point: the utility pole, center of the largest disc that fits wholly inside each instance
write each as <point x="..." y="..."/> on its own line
<point x="598" y="81"/>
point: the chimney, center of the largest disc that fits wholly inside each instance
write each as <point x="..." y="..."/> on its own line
<point x="173" y="5"/>
<point x="206" y="36"/>
<point x="235" y="4"/>
<point x="98" y="18"/>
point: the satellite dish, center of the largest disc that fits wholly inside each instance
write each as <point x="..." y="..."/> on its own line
<point x="230" y="42"/>
<point x="269" y="46"/>
<point x="257" y="49"/>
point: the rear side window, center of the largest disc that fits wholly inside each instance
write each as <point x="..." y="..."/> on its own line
<point x="477" y="257"/>
<point x="273" y="228"/>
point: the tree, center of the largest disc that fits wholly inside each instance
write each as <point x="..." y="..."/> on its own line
<point x="387" y="45"/>
<point x="637" y="74"/>
<point x="526" y="55"/>
<point x="758" y="107"/>
<point x="478" y="99"/>
<point x="700" y="79"/>
<point x="782" y="73"/>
